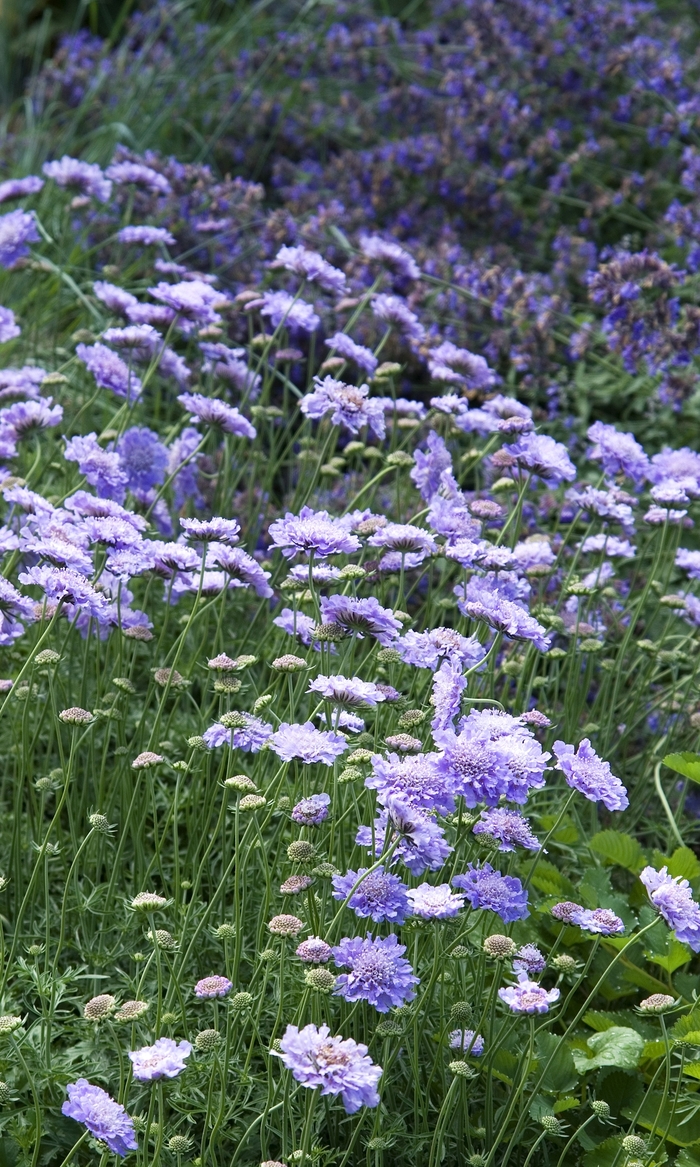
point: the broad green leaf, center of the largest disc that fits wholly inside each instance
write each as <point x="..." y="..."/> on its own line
<point x="684" y="863"/>
<point x="692" y="1038"/>
<point x="618" y="1046"/>
<point x="688" y="1159"/>
<point x="686" y="1024"/>
<point x="653" y="1049"/>
<point x="687" y="764"/>
<point x="678" y="954"/>
<point x="692" y="1070"/>
<point x="560" y="1074"/>
<point x="567" y="1103"/>
<point x="619" y="848"/>
<point x="679" y="1129"/>
<point x="605" y="1154"/>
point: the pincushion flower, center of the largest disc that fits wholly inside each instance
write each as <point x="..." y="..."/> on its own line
<point x="307" y="743"/>
<point x="312" y="532"/>
<point x="673" y="899"/>
<point x="214" y="412"/>
<point x="211" y="987"/>
<point x="590" y="775"/>
<point x="350" y="406"/>
<point x="493" y="756"/>
<point x="164" y="1059"/>
<point x="109" y="370"/>
<point x="434" y="903"/>
<point x="332" y="1064"/>
<point x="283" y="309"/>
<point x="426" y="649"/>
<point x="528" y="997"/>
<point x="418" y="841"/>
<point x="378" y="896"/>
<point x="343" y="345"/>
<point x="378" y="974"/>
<point x="348" y="691"/>
<point x="312" y="811"/>
<point x="16" y="230"/>
<point x="543" y="457"/>
<point x="509" y="827"/>
<point x="364" y="617"/>
<point x="620" y="453"/>
<point x="310" y="265"/>
<point x="468" y="1041"/>
<point x="486" y="888"/>
<point x="419" y="780"/>
<point x="105" y="1119"/>
<point x="16" y="188"/>
<point x="602" y="921"/>
<point x="87" y="176"/>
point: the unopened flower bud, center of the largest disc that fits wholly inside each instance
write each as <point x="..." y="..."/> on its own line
<point x="234" y="720"/>
<point x="461" y="1013"/>
<point x="461" y="1069"/>
<point x="207" y="1040"/>
<point x="551" y="1124"/>
<point x="148" y="901"/>
<point x="99" y="822"/>
<point x="241" y="1001"/>
<point x="380" y="1143"/>
<point x="252" y="802"/>
<point x="9" y="1023"/>
<point x="5" y="1092"/>
<point x="285" y="925"/>
<point x="47" y="657"/>
<point x="144" y="760"/>
<point x="124" y="684"/>
<point x="288" y="663"/>
<point x="328" y="633"/>
<point x="634" y="1145"/>
<point x="131" y="1011"/>
<point x="197" y="743"/>
<point x="350" y="774"/>
<point x="163" y="939"/>
<point x="301" y="851"/>
<point x="226" y="931"/>
<point x="179" y="1144"/>
<point x="404" y="743"/>
<point x="360" y="756"/>
<point x="563" y="963"/>
<point x="75" y="716"/>
<point x="100" y="1007"/>
<point x="319" y="979"/>
<point x="500" y="947"/>
<point x="600" y="1108"/>
<point x="656" y="1003"/>
<point x="242" y="783"/>
<point x="295" y="884"/>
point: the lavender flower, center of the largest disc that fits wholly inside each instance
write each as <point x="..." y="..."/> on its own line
<point x="123" y="173"/>
<point x="601" y="920"/>
<point x="404" y="537"/>
<point x="87" y="176"/>
<point x="307" y="743"/>
<point x="486" y="888"/>
<point x="543" y="457"/>
<point x="164" y="1059"/>
<point x="419" y="780"/>
<point x="459" y="366"/>
<point x="109" y="370"/>
<point x="420" y="842"/>
<point x="312" y="811"/>
<point x="493" y="756"/>
<point x="528" y="997"/>
<point x="509" y="827"/>
<point x="345" y="347"/>
<point x="379" y="896"/>
<point x="9" y="328"/>
<point x="242" y="569"/>
<point x="314" y="951"/>
<point x="446" y="696"/>
<point x="426" y="649"/>
<point x="505" y="616"/>
<point x="590" y="775"/>
<point x="192" y="300"/>
<point x="428" y="468"/>
<point x="673" y="899"/>
<point x="348" y="691"/>
<point x="361" y="616"/>
<point x="216" y="529"/>
<point x="379" y="974"/>
<point x="211" y="411"/>
<point x="434" y="903"/>
<point x="283" y="309"/>
<point x="145" y="235"/>
<point x="620" y="453"/>
<point x="17" y="188"/>
<point x="16" y="230"/>
<point x="114" y="298"/>
<point x="349" y="406"/>
<point x="143" y="458"/>
<point x="529" y="959"/>
<point x="312" y="532"/>
<point x="105" y="1119"/>
<point x="395" y="312"/>
<point x="210" y="987"/>
<point x="331" y="1064"/>
<point x="310" y="266"/>
<point x="388" y="252"/>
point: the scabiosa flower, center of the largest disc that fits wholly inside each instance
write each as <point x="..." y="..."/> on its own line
<point x="215" y="529"/>
<point x="349" y="405"/>
<point x="345" y="347"/>
<point x="312" y="532"/>
<point x="348" y="691"/>
<point x="62" y="583"/>
<point x="212" y="411"/>
<point x="109" y="370"/>
<point x="446" y="696"/>
<point x="427" y="471"/>
<point x="296" y="624"/>
<point x="17" y="188"/>
<point x="421" y="845"/>
<point x="193" y="300"/>
<point x="312" y="811"/>
<point x="106" y="1119"/>
<point x="504" y="615"/>
<point x="529" y="959"/>
<point x="620" y="453"/>
<point x="210" y="987"/>
<point x="590" y="775"/>
<point x="295" y="884"/>
<point x="164" y="1059"/>
<point x="379" y="974"/>
<point x="310" y="266"/>
<point x="395" y="312"/>
<point x="528" y="997"/>
<point x="486" y="888"/>
<point x="404" y="537"/>
<point x="143" y="458"/>
<point x="418" y="780"/>
<point x="543" y="457"/>
<point x="434" y="903"/>
<point x="16" y="230"/>
<point x="283" y="309"/>
<point x="361" y="616"/>
<point x="285" y="925"/>
<point x="123" y="173"/>
<point x="509" y="827"/>
<point x="468" y="1040"/>
<point x="307" y="743"/>
<point x="379" y="896"/>
<point x="87" y="176"/>
<point x="601" y="920"/>
<point x="314" y="951"/>
<point x="493" y="756"/>
<point x="426" y="649"/>
<point x="334" y="1065"/>
<point x="145" y="235"/>
<point x="9" y="328"/>
<point x="673" y="898"/>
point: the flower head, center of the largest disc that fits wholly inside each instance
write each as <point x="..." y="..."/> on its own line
<point x="486" y="888"/>
<point x="312" y="532"/>
<point x="378" y="896"/>
<point x="214" y="412"/>
<point x="590" y="775"/>
<point x="543" y="457"/>
<point x="143" y="458"/>
<point x="314" y="951"/>
<point x="307" y="743"/>
<point x="350" y="692"/>
<point x="109" y="370"/>
<point x="509" y="827"/>
<point x="601" y="921"/>
<point x="434" y="903"/>
<point x="312" y="811"/>
<point x="104" y="1118"/>
<point x="87" y="176"/>
<point x="16" y="230"/>
<point x="334" y="1065"/>
<point x="350" y="406"/>
<point x="528" y="997"/>
<point x="364" y="617"/>
<point x="378" y="974"/>
<point x="164" y="1059"/>
<point x="215" y="986"/>
<point x="468" y="1041"/>
<point x="673" y="898"/>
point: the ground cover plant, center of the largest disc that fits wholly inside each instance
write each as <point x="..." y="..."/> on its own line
<point x="349" y="598"/>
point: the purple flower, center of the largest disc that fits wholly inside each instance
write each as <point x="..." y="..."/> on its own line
<point x="421" y="842"/>
<point x="296" y="624"/>
<point x="680" y="466"/>
<point x="601" y="920"/>
<point x="673" y="898"/>
<point x="528" y="997"/>
<point x="9" y="328"/>
<point x="310" y="266"/>
<point x="307" y="743"/>
<point x="312" y="811"/>
<point x="349" y="405"/>
<point x="212" y="411"/>
<point x="590" y="775"/>
<point x="426" y="649"/>
<point x="106" y="1119"/>
<point x="395" y="312"/>
<point x="508" y="826"/>
<point x="620" y="453"/>
<point x="312" y="532"/>
<point x="334" y="1065"/>
<point x="109" y="370"/>
<point x="486" y="888"/>
<point x="348" y="691"/>
<point x="459" y="366"/>
<point x="250" y="738"/>
<point x="284" y="309"/>
<point x="388" y="252"/>
<point x="379" y="974"/>
<point x="24" y="417"/>
<point x="543" y="457"/>
<point x="505" y="616"/>
<point x="17" y="188"/>
<point x="145" y="235"/>
<point x="314" y="951"/>
<point x="62" y="583"/>
<point x="182" y="462"/>
<point x="365" y="617"/>
<point x="418" y="779"/>
<point x="468" y="1041"/>
<point x="243" y="570"/>
<point x="434" y="903"/>
<point x="345" y="347"/>
<point x="164" y="1059"/>
<point x="404" y="537"/>
<point x="379" y="896"/>
<point x="216" y="529"/>
<point x="114" y="298"/>
<point x="215" y="986"/>
<point x="428" y="468"/>
<point x="225" y="362"/>
<point x="143" y="458"/>
<point x="16" y="230"/>
<point x="193" y="300"/>
<point x="493" y="756"/>
<point x="529" y="959"/>
<point x="123" y="173"/>
<point x="87" y="176"/>
<point x="446" y="697"/>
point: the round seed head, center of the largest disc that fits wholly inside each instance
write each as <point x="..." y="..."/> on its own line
<point x="634" y="1145"/>
<point x="131" y="1010"/>
<point x="226" y="931"/>
<point x="179" y="1144"/>
<point x="241" y="1001"/>
<point x="99" y="822"/>
<point x="550" y="1123"/>
<point x="461" y="1070"/>
<point x="207" y="1040"/>
<point x="288" y="663"/>
<point x="5" y="1092"/>
<point x="301" y="851"/>
<point x="461" y="1013"/>
<point x="75" y="716"/>
<point x="656" y="1003"/>
<point x="564" y="963"/>
<point x="252" y="802"/>
<point x="500" y="947"/>
<point x="600" y="1109"/>
<point x="47" y="657"/>
<point x="285" y="925"/>
<point x="319" y="979"/>
<point x="100" y="1007"/>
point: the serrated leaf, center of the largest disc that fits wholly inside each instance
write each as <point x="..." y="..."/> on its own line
<point x="653" y="1049"/>
<point x="687" y="764"/>
<point x="617" y="1046"/>
<point x="619" y="848"/>
<point x="684" y="863"/>
<point x="605" y="1154"/>
<point x="561" y="1074"/>
<point x="686" y="1024"/>
<point x="657" y="1113"/>
<point x="567" y="1103"/>
<point x="693" y="1070"/>
<point x="678" y="954"/>
<point x="692" y="1038"/>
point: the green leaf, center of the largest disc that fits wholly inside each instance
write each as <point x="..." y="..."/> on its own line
<point x="617" y="1046"/>
<point x="653" y="1049"/>
<point x="560" y="1074"/>
<point x="566" y="1103"/>
<point x="677" y="1128"/>
<point x="686" y="764"/>
<point x="605" y="1154"/>
<point x="686" y="1024"/>
<point x="687" y="1159"/>
<point x="684" y="863"/>
<point x="619" y="848"/>
<point x="678" y="954"/>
